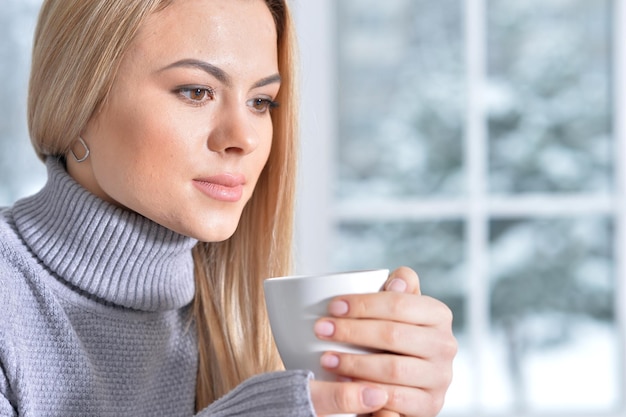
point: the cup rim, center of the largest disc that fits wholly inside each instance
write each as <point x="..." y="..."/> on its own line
<point x="330" y="274"/>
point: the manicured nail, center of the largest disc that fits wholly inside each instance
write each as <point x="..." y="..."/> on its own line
<point x="324" y="328"/>
<point x="373" y="397"/>
<point x="329" y="360"/>
<point x="338" y="308"/>
<point x="397" y="285"/>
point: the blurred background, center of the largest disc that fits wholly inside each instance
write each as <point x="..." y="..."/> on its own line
<point x="479" y="142"/>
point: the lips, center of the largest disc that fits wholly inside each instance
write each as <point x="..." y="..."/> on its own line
<point x="223" y="187"/>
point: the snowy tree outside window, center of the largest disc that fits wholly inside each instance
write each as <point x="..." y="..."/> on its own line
<point x="479" y="142"/>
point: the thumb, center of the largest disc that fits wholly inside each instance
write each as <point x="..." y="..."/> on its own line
<point x="346" y="397"/>
<point x="404" y="280"/>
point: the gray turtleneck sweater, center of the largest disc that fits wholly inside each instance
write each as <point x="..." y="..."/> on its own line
<point x="95" y="319"/>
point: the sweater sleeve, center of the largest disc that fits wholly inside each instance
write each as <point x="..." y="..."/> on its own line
<point x="275" y="394"/>
<point x="6" y="409"/>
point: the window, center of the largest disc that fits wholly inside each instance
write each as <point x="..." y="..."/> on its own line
<point x="478" y="142"/>
<point x="20" y="172"/>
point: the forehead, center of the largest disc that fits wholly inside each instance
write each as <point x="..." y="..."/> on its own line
<point x="234" y="32"/>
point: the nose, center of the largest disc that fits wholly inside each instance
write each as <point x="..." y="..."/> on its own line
<point x="233" y="133"/>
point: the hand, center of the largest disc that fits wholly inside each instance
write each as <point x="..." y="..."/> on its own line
<point x="414" y="367"/>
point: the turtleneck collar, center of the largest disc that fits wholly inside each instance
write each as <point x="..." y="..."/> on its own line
<point x="113" y="254"/>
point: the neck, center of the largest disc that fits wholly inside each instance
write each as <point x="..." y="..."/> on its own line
<point x="109" y="253"/>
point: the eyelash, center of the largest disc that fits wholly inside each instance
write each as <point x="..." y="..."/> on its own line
<point x="268" y="104"/>
<point x="208" y="94"/>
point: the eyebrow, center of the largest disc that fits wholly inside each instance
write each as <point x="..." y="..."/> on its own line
<point x="267" y="80"/>
<point x="218" y="73"/>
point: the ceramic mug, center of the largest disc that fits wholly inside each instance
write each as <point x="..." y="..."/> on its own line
<point x="294" y="303"/>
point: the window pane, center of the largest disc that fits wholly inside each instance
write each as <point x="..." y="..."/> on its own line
<point x="434" y="249"/>
<point x="554" y="336"/>
<point x="20" y="171"/>
<point x="401" y="97"/>
<point x="549" y="95"/>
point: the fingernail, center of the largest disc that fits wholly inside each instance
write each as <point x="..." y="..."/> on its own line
<point x="373" y="397"/>
<point x="324" y="328"/>
<point x="338" y="308"/>
<point x="397" y="285"/>
<point x="329" y="360"/>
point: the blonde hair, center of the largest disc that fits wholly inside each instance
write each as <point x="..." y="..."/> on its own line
<point x="78" y="47"/>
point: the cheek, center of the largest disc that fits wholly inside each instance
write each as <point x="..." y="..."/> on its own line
<point x="133" y="152"/>
<point x="262" y="154"/>
<point x="155" y="133"/>
<point x="267" y="141"/>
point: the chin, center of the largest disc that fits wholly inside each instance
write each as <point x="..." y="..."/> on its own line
<point x="215" y="238"/>
<point x="213" y="227"/>
<point x="214" y="234"/>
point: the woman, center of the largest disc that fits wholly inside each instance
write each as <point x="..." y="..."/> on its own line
<point x="168" y="131"/>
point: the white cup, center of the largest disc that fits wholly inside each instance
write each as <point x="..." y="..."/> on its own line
<point x="294" y="303"/>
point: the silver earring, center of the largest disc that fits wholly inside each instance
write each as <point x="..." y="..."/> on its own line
<point x="82" y="142"/>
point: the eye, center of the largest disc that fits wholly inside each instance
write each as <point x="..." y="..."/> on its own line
<point x="262" y="105"/>
<point x="196" y="95"/>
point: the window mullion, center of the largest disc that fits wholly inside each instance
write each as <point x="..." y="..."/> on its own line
<point x="315" y="22"/>
<point x="477" y="219"/>
<point x="536" y="205"/>
<point x="619" y="132"/>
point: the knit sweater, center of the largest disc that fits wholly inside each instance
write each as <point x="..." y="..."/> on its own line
<point x="95" y="316"/>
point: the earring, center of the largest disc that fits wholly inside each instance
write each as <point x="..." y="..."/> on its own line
<point x="82" y="142"/>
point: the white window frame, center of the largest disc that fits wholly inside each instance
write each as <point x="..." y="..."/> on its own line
<point x="318" y="212"/>
<point x="619" y="129"/>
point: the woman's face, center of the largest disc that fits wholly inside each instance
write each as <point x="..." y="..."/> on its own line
<point x="186" y="130"/>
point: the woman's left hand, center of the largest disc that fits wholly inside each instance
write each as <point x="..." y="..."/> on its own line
<point x="413" y="334"/>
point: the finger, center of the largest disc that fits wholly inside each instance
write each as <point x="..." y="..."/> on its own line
<point x="407" y="308"/>
<point x="346" y="397"/>
<point x="405" y="339"/>
<point x="403" y="279"/>
<point x="391" y="369"/>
